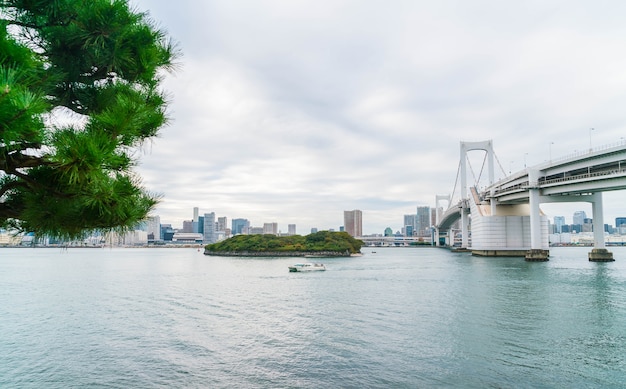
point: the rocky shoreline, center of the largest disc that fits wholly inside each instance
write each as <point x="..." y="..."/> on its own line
<point x="278" y="253"/>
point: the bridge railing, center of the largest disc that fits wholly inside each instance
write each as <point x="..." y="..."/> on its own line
<point x="578" y="154"/>
<point x="525" y="185"/>
<point x="584" y="175"/>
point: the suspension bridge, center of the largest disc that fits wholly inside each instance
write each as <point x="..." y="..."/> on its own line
<point x="505" y="218"/>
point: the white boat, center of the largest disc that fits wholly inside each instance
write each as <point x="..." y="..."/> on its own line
<point x="307" y="267"/>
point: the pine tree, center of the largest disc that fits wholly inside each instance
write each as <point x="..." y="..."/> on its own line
<point x="79" y="94"/>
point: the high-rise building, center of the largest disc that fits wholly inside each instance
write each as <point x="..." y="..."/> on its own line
<point x="409" y="221"/>
<point x="559" y="222"/>
<point x="422" y="221"/>
<point x="270" y="228"/>
<point x="153" y="228"/>
<point x="222" y="223"/>
<point x="353" y="222"/>
<point x="291" y="229"/>
<point x="240" y="226"/>
<point x="187" y="226"/>
<point x="208" y="234"/>
<point x="579" y="217"/>
<point x="620" y="222"/>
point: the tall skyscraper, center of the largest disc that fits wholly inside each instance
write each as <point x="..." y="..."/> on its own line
<point x="208" y="235"/>
<point x="422" y="221"/>
<point x="559" y="222"/>
<point x="240" y="226"/>
<point x="353" y="222"/>
<point x="222" y="223"/>
<point x="579" y="218"/>
<point x="291" y="229"/>
<point x="195" y="226"/>
<point x="153" y="227"/>
<point x="409" y="224"/>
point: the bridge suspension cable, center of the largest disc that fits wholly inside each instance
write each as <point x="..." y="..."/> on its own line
<point x="472" y="170"/>
<point x="456" y="181"/>
<point x="499" y="164"/>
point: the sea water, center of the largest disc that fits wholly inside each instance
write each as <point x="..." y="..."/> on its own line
<point x="393" y="318"/>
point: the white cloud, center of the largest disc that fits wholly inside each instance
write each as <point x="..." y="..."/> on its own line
<point x="293" y="111"/>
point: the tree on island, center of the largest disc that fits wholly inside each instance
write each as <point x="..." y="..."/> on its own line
<point x="322" y="241"/>
<point x="79" y="93"/>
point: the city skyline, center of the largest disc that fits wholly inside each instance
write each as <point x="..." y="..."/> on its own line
<point x="298" y="111"/>
<point x="417" y="221"/>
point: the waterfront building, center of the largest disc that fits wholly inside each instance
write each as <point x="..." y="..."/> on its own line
<point x="353" y="222"/>
<point x="270" y="228"/>
<point x="579" y="218"/>
<point x="559" y="222"/>
<point x="255" y="230"/>
<point x="188" y="226"/>
<point x="240" y="226"/>
<point x="410" y="221"/>
<point x="388" y="231"/>
<point x="153" y="228"/>
<point x="222" y="224"/>
<point x="167" y="232"/>
<point x="422" y="221"/>
<point x="209" y="228"/>
<point x="201" y="225"/>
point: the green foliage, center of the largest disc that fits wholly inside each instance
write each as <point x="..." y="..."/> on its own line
<point x="317" y="242"/>
<point x="96" y="64"/>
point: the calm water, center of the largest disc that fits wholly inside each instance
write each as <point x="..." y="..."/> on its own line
<point x="397" y="318"/>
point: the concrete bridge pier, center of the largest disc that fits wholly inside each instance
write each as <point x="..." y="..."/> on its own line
<point x="599" y="253"/>
<point x="536" y="252"/>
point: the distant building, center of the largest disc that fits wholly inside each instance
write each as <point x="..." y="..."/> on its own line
<point x="208" y="232"/>
<point x="620" y="222"/>
<point x="240" y="226"/>
<point x="270" y="228"/>
<point x="167" y="232"/>
<point x="255" y="230"/>
<point x="188" y="226"/>
<point x="313" y="230"/>
<point x="579" y="218"/>
<point x="291" y="229"/>
<point x="559" y="222"/>
<point x="388" y="231"/>
<point x="422" y="221"/>
<point x="222" y="224"/>
<point x="153" y="228"/>
<point x="410" y="220"/>
<point x="353" y="222"/>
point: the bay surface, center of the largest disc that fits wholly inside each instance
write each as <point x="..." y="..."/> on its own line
<point x="399" y="317"/>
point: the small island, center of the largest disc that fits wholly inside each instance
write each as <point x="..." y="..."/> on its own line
<point x="319" y="244"/>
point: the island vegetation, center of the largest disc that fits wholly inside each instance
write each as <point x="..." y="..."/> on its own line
<point x="319" y="243"/>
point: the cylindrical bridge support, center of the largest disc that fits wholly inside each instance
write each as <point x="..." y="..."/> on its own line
<point x="599" y="252"/>
<point x="536" y="252"/>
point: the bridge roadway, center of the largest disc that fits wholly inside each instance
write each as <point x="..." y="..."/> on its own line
<point x="574" y="178"/>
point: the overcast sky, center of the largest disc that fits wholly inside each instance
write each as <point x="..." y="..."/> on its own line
<point x="293" y="111"/>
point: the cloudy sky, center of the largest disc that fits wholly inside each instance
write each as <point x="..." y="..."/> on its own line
<point x="292" y="111"/>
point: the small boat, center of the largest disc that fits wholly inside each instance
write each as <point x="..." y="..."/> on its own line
<point x="307" y="267"/>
